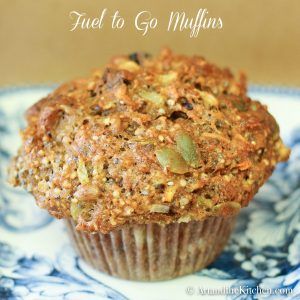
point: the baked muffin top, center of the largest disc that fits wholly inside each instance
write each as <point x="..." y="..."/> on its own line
<point x="159" y="139"/>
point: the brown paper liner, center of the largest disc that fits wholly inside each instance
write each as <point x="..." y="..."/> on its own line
<point x="152" y="251"/>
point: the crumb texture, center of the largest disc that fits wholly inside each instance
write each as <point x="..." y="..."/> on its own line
<point x="158" y="139"/>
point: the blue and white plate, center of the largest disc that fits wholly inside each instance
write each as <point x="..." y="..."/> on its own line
<point x="262" y="259"/>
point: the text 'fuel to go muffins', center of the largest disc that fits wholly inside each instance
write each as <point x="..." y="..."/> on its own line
<point x="145" y="21"/>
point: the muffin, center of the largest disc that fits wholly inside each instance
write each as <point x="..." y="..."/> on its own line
<point x="148" y="162"/>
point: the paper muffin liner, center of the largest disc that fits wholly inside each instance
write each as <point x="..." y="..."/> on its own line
<point x="152" y="251"/>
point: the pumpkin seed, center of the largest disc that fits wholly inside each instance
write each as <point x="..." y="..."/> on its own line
<point x="87" y="192"/>
<point x="81" y="209"/>
<point x="167" y="78"/>
<point x="184" y="219"/>
<point x="129" y="65"/>
<point x="42" y="186"/>
<point x="209" y="99"/>
<point x="169" y="193"/>
<point x="248" y="183"/>
<point x="187" y="148"/>
<point x="160" y="208"/>
<point x="204" y="202"/>
<point x="230" y="208"/>
<point x="82" y="172"/>
<point x="283" y="151"/>
<point x="169" y="158"/>
<point x="183" y="201"/>
<point x="75" y="210"/>
<point x="153" y="97"/>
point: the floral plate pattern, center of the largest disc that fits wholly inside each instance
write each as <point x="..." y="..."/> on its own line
<point x="37" y="261"/>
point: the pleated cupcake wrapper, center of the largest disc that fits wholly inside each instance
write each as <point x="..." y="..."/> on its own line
<point x="152" y="251"/>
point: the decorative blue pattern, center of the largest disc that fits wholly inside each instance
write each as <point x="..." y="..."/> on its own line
<point x="264" y="250"/>
<point x="40" y="277"/>
<point x="11" y="208"/>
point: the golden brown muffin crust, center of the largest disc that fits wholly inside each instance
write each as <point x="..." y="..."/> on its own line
<point x="163" y="139"/>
